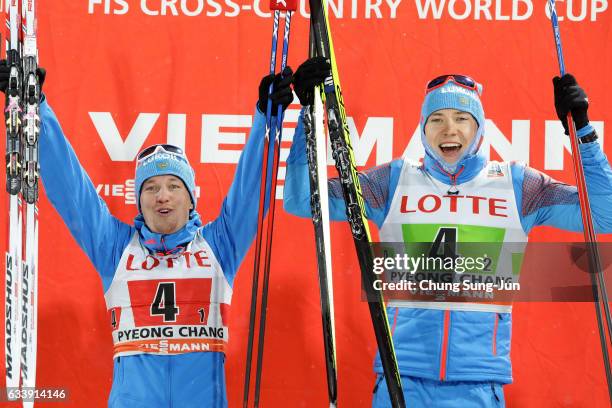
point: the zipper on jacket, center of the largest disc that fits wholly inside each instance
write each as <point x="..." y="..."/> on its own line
<point x="163" y="242"/>
<point x="453" y="190"/>
<point x="444" y="351"/>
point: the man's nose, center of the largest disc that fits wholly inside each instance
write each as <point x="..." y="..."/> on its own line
<point x="163" y="195"/>
<point x="450" y="127"/>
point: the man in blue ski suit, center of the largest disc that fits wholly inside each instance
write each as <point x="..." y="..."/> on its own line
<point x="168" y="278"/>
<point x="451" y="354"/>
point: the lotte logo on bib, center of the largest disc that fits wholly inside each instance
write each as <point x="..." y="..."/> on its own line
<point x="431" y="203"/>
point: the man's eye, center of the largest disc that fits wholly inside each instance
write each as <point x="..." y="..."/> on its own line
<point x="149" y="188"/>
<point x="175" y="186"/>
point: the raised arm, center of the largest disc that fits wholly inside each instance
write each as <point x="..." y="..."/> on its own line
<point x="544" y="201"/>
<point x="71" y="192"/>
<point x="377" y="184"/>
<point x="232" y="232"/>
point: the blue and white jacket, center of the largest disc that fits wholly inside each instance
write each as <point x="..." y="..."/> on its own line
<point x="190" y="379"/>
<point x="450" y="344"/>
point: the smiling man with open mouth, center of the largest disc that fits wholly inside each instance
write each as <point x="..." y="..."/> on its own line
<point x="452" y="125"/>
<point x="449" y="132"/>
<point x="455" y="352"/>
<point x="166" y="184"/>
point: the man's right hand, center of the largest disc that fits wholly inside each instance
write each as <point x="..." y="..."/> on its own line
<point x="281" y="94"/>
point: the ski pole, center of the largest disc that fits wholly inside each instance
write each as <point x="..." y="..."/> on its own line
<point x="271" y="146"/>
<point x="595" y="271"/>
<point x="260" y="218"/>
<point x="272" y="195"/>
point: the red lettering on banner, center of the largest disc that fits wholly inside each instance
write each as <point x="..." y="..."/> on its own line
<point x="190" y="296"/>
<point x="200" y="258"/>
<point x="437" y="203"/>
<point x="476" y="203"/>
<point x="493" y="207"/>
<point x="404" y="205"/>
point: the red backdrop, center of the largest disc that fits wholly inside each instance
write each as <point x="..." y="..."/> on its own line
<point x="122" y="75"/>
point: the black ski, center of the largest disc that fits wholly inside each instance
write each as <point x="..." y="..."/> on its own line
<point x="319" y="204"/>
<point x="351" y="188"/>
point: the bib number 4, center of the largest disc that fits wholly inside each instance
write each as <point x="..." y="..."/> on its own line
<point x="171" y="302"/>
<point x="164" y="302"/>
<point x="445" y="244"/>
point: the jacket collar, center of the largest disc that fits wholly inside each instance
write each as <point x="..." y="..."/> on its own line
<point x="168" y="243"/>
<point x="465" y="170"/>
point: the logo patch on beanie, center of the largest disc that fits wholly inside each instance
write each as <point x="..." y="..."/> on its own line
<point x="162" y="165"/>
<point x="464" y="101"/>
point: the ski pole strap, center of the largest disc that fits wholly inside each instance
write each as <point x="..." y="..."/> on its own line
<point x="586" y="130"/>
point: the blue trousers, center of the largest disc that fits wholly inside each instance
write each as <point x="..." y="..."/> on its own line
<point x="422" y="393"/>
<point x="182" y="381"/>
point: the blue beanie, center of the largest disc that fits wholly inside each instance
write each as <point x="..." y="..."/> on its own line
<point x="453" y="96"/>
<point x="163" y="163"/>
